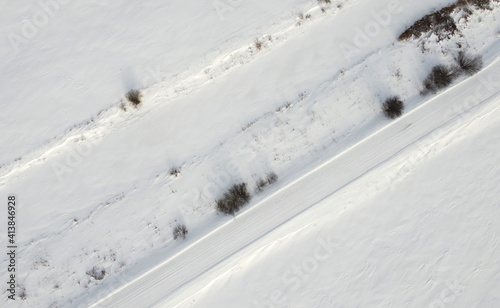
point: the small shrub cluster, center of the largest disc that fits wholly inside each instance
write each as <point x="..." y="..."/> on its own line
<point x="97" y="273"/>
<point x="302" y="16"/>
<point x="271" y="178"/>
<point x="22" y="294"/>
<point x="439" y="78"/>
<point x="175" y="172"/>
<point x="180" y="231"/>
<point x="134" y="97"/>
<point x="258" y="44"/>
<point x="480" y="4"/>
<point x="442" y="76"/>
<point x="233" y="199"/>
<point x="441" y="22"/>
<point x="393" y="107"/>
<point x="468" y="64"/>
<point x="261" y="183"/>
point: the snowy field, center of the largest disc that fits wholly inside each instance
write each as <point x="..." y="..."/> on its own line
<point x="366" y="212"/>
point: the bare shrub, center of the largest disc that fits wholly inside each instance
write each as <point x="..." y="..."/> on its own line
<point x="233" y="199"/>
<point x="180" y="231"/>
<point x="393" y="107"/>
<point x="258" y="44"/>
<point x="22" y="293"/>
<point x="97" y="273"/>
<point x="261" y="184"/>
<point x="468" y="64"/>
<point x="175" y="172"/>
<point x="271" y="177"/>
<point x="134" y="97"/>
<point x="440" y="77"/>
